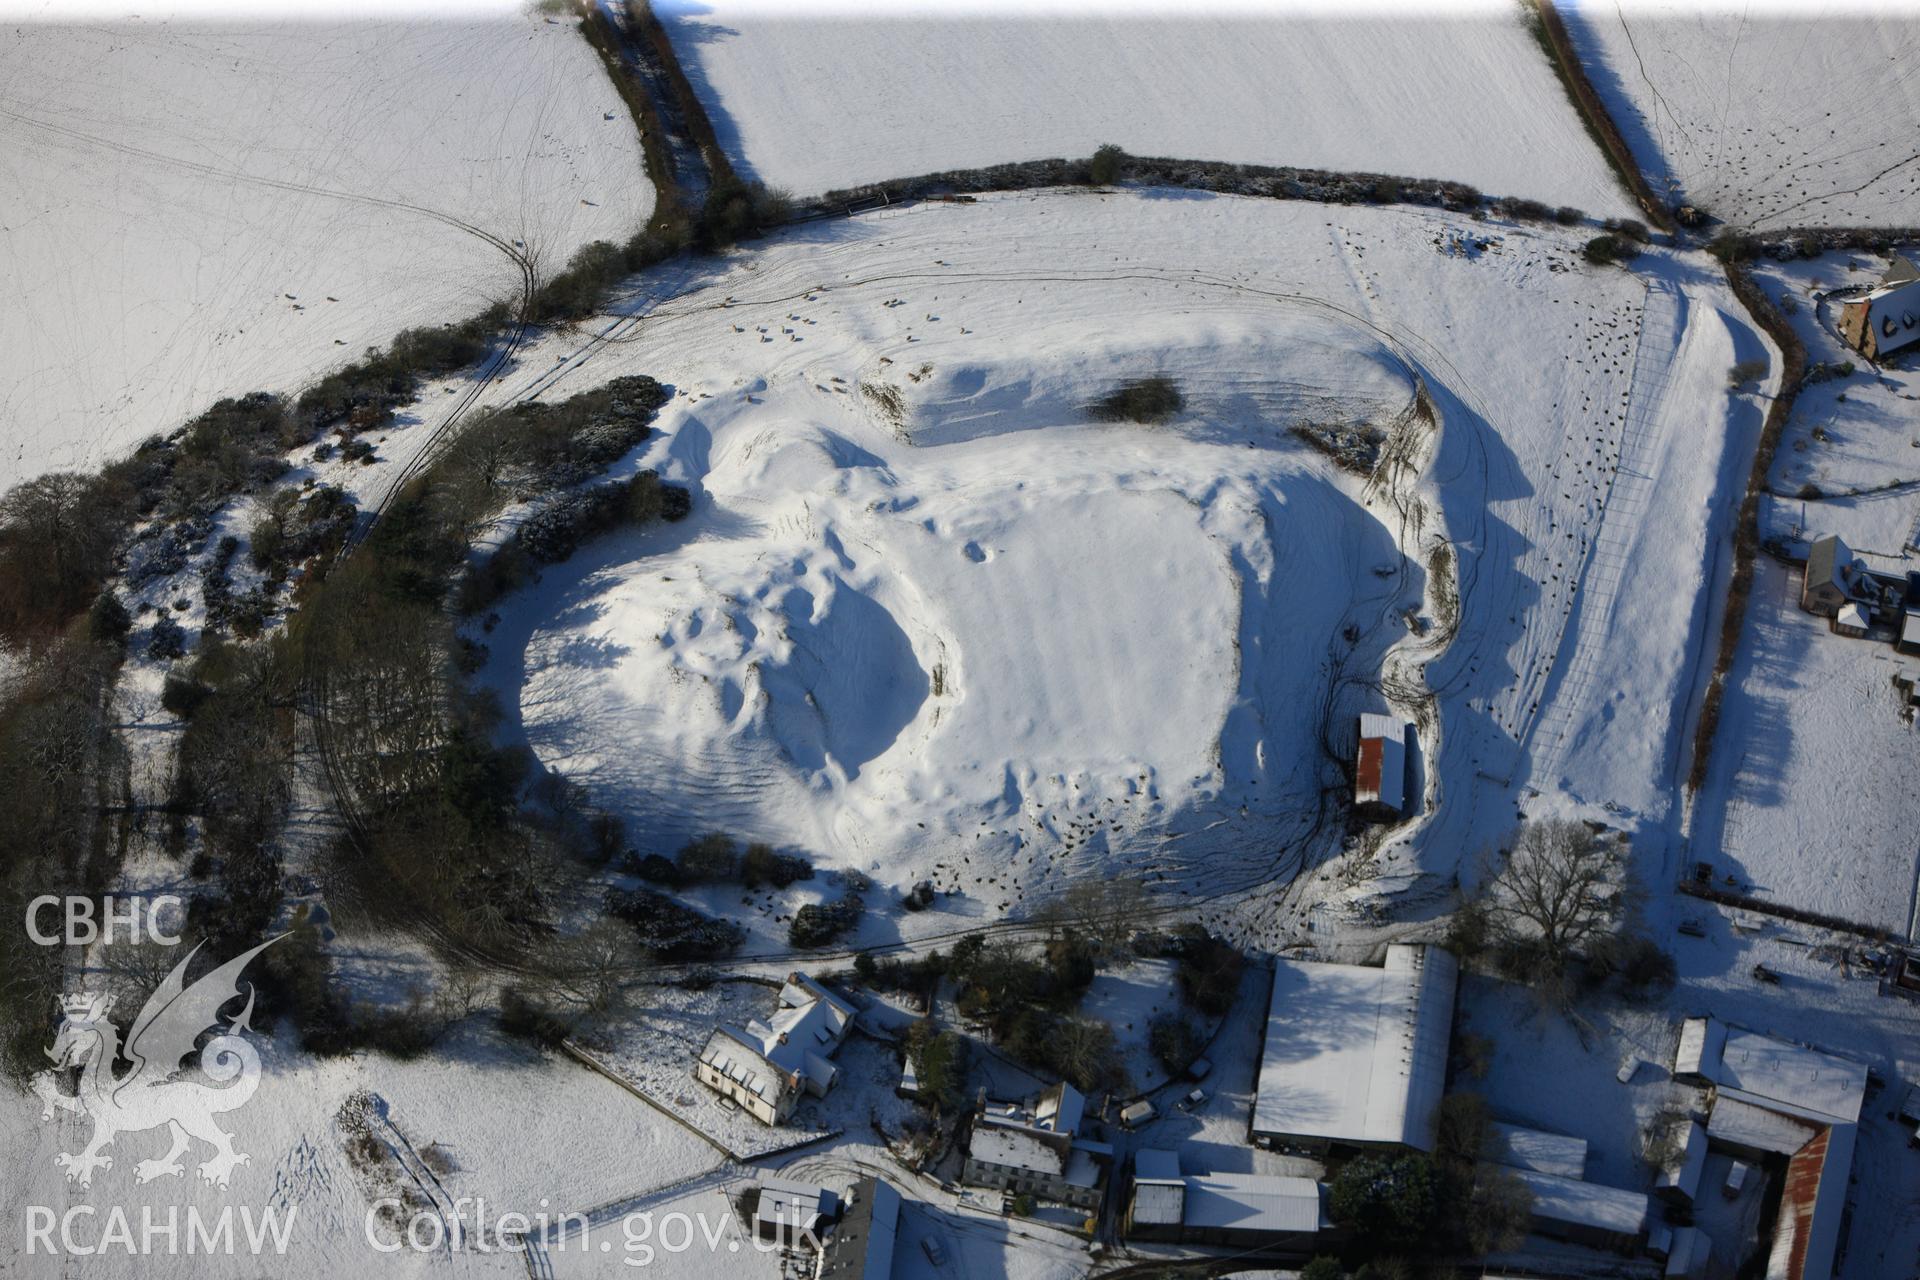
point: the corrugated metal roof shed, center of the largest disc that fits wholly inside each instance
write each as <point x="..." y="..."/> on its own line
<point x="1380" y="771"/>
<point x="1793" y="1073"/>
<point x="1253" y="1202"/>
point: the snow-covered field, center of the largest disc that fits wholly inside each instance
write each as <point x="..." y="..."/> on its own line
<point x="1769" y="115"/>
<point x="193" y="209"/>
<point x="824" y="95"/>
<point x="500" y="1124"/>
<point x="912" y="640"/>
<point x="1815" y="751"/>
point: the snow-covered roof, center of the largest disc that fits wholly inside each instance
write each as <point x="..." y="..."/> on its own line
<point x="734" y="1055"/>
<point x="861" y="1246"/>
<point x="1585" y="1204"/>
<point x="1253" y="1202"/>
<point x="809" y="1025"/>
<point x="1060" y="1109"/>
<point x="1792" y="1073"/>
<point x="1018" y="1147"/>
<point x="1542" y="1152"/>
<point x="1827" y="560"/>
<point x="793" y="1206"/>
<point x="1380" y="772"/>
<point x="1893" y="311"/>
<point x="1687" y="1255"/>
<point x="1910" y="628"/>
<point x="1851" y="615"/>
<point x="1682" y="1173"/>
<point x="1159" y="1201"/>
<point x="1083" y="1167"/>
<point x="1745" y="1120"/>
<point x="1356" y="1054"/>
<point x="1699" y="1051"/>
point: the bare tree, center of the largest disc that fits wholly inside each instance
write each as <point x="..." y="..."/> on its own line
<point x="590" y="969"/>
<point x="1557" y="892"/>
<point x="1108" y="910"/>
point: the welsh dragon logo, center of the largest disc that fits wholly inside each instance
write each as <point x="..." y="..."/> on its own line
<point x="154" y="1093"/>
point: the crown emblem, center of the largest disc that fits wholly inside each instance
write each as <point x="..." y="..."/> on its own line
<point x="85" y="1005"/>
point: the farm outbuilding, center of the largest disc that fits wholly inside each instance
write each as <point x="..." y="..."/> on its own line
<point x="1586" y="1212"/>
<point x="1236" y="1209"/>
<point x="1774" y="1098"/>
<point x="1356" y="1056"/>
<point x="1851" y="621"/>
<point x="861" y="1246"/>
<point x="1538" y="1150"/>
<point x="1827" y="585"/>
<point x="1380" y="768"/>
<point x="1887" y="319"/>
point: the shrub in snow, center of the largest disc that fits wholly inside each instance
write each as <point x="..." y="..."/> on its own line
<point x="1143" y="400"/>
<point x="762" y="865"/>
<point x="1106" y="166"/>
<point x="1628" y="229"/>
<point x="672" y="930"/>
<point x="1209" y="973"/>
<point x="816" y="924"/>
<point x="166" y="641"/>
<point x="108" y="619"/>
<point x="1174" y="1042"/>
<point x="1604" y="250"/>
<point x="713" y="856"/>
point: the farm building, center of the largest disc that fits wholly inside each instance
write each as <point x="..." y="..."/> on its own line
<point x="1774" y="1098"/>
<point x="1159" y="1196"/>
<point x="767" y="1069"/>
<point x="1887" y="319"/>
<point x="861" y="1245"/>
<point x="1035" y="1151"/>
<point x="1542" y="1152"/>
<point x="1829" y="583"/>
<point x="1910" y="632"/>
<point x="1380" y="768"/>
<point x="1850" y="621"/>
<point x="788" y="1212"/>
<point x="1679" y="1177"/>
<point x="1234" y="1209"/>
<point x="1686" y="1251"/>
<point x="1356" y="1056"/>
<point x="1586" y="1212"/>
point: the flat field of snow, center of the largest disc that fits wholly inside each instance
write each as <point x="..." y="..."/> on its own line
<point x="1809" y="801"/>
<point x="492" y="1120"/>
<point x="928" y="621"/>
<point x="1767" y="116"/>
<point x="196" y="209"/>
<point x="823" y="95"/>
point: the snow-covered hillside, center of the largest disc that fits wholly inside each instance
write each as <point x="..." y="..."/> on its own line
<point x="190" y="210"/>
<point x="822" y="94"/>
<point x="917" y="641"/>
<point x="1772" y="115"/>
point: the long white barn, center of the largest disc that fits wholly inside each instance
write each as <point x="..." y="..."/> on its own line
<point x="1356" y="1056"/>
